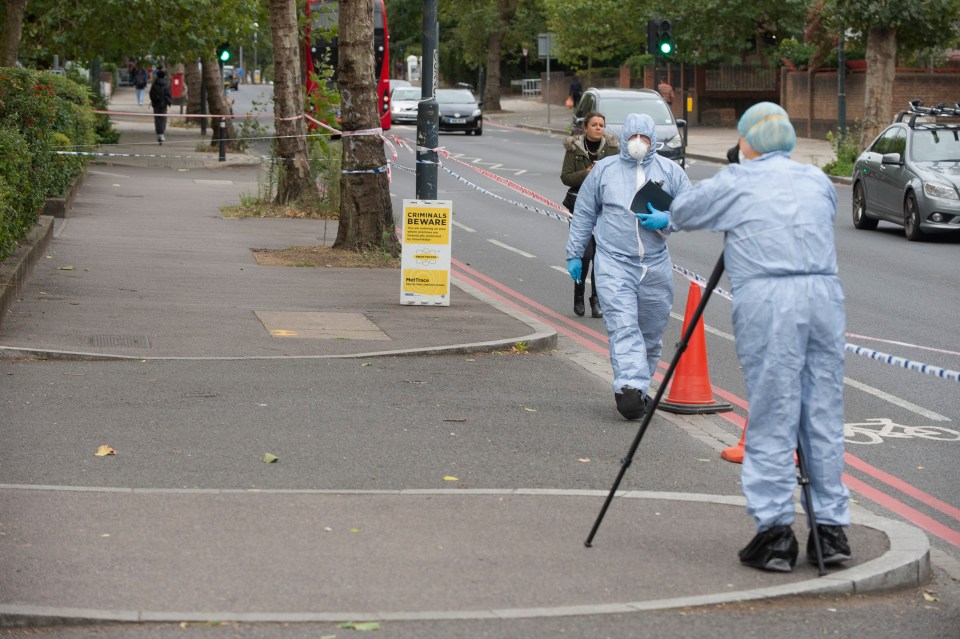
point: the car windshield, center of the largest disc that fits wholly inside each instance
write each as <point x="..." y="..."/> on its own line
<point x="454" y="96"/>
<point x="406" y="94"/>
<point x="616" y="109"/>
<point x="936" y="145"/>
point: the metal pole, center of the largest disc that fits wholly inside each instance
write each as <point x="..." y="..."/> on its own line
<point x="203" y="102"/>
<point x="428" y="111"/>
<point x="223" y="140"/>
<point x="548" y="77"/>
<point x="841" y="89"/>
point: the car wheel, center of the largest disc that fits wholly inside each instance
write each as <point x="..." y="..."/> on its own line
<point x="860" y="219"/>
<point x="911" y="219"/>
<point x="478" y="131"/>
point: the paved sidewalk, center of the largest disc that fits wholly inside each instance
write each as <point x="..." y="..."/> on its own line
<point x="440" y="476"/>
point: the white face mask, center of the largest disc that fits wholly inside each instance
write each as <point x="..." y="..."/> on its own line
<point x="742" y="157"/>
<point x="637" y="148"/>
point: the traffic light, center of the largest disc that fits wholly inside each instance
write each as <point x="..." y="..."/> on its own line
<point x="664" y="38"/>
<point x="223" y="52"/>
<point x="652" y="28"/>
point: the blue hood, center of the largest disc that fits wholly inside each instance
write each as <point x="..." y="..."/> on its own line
<point x="643" y="124"/>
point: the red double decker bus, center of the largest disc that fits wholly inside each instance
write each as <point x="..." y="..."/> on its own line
<point x="322" y="17"/>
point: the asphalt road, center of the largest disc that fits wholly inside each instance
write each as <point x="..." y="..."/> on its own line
<point x="903" y="426"/>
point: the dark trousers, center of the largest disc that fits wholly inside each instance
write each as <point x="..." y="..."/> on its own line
<point x="160" y="124"/>
<point x="578" y="289"/>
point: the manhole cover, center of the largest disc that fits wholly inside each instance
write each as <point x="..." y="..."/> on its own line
<point x="120" y="341"/>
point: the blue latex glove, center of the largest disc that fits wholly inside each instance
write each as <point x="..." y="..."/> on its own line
<point x="575" y="268"/>
<point x="654" y="220"/>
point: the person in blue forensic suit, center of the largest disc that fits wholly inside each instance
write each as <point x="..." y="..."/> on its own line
<point x="632" y="263"/>
<point x="788" y="319"/>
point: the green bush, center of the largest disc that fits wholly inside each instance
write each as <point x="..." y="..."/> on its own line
<point x="40" y="113"/>
<point x="846" y="149"/>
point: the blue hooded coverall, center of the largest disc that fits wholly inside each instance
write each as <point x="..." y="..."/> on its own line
<point x="788" y="319"/>
<point x="632" y="264"/>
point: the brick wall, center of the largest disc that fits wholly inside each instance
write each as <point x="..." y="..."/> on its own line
<point x="814" y="116"/>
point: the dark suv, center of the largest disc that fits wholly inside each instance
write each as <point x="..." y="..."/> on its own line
<point x="615" y="104"/>
<point x="908" y="175"/>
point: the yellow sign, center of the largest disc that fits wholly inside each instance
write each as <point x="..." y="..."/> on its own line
<point x="425" y="260"/>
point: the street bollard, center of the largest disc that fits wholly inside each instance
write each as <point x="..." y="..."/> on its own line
<point x="223" y="139"/>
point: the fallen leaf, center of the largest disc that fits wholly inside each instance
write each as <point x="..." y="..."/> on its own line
<point x="64" y="268"/>
<point x="105" y="450"/>
<point x="920" y="468"/>
<point x="450" y="478"/>
<point x="366" y="364"/>
<point x="269" y="459"/>
<point x="929" y="597"/>
<point x="531" y="410"/>
<point x="366" y="626"/>
<point x="354" y="530"/>
<point x="584" y="459"/>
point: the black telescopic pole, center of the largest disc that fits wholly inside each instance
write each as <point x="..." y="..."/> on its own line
<point x="681" y="347"/>
<point x="804" y="480"/>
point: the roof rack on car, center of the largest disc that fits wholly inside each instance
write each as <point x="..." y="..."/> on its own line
<point x="917" y="109"/>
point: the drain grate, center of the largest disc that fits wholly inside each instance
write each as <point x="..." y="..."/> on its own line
<point x="120" y="341"/>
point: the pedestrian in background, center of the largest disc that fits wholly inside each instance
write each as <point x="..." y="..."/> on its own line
<point x="777" y="217"/>
<point x="576" y="90"/>
<point x="160" y="99"/>
<point x="581" y="153"/>
<point x="634" y="271"/>
<point x="140" y="83"/>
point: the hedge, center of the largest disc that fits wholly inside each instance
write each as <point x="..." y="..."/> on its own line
<point x="40" y="113"/>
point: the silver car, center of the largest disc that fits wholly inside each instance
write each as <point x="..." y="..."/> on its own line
<point x="615" y="104"/>
<point x="403" y="104"/>
<point x="910" y="175"/>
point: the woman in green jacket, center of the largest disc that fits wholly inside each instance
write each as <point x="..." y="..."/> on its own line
<point x="582" y="152"/>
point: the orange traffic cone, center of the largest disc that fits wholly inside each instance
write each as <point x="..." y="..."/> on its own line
<point x="691" y="392"/>
<point x="735" y="453"/>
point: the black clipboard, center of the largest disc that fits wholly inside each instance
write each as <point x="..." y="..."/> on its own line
<point x="652" y="193"/>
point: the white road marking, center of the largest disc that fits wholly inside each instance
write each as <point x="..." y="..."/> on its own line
<point x="510" y="248"/>
<point x="562" y="270"/>
<point x="466" y="228"/>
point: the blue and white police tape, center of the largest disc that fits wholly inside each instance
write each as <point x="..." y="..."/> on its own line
<point x="893" y="360"/>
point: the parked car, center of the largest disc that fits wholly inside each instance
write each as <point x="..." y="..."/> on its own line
<point x="910" y="174"/>
<point x="403" y="104"/>
<point x="460" y="111"/>
<point x="615" y="104"/>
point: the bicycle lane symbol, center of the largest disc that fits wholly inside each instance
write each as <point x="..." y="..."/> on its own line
<point x="874" y="430"/>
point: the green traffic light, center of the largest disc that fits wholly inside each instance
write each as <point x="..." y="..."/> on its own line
<point x="666" y="47"/>
<point x="224" y="55"/>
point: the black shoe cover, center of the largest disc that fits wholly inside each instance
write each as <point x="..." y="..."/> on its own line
<point x="595" y="307"/>
<point x="578" y="307"/>
<point x="630" y="403"/>
<point x="833" y="545"/>
<point x="773" y="549"/>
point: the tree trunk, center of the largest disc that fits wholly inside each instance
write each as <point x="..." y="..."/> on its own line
<point x="191" y="74"/>
<point x="295" y="178"/>
<point x="881" y="72"/>
<point x="12" y="28"/>
<point x="216" y="99"/>
<point x="366" y="213"/>
<point x="506" y="10"/>
<point x="491" y="91"/>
